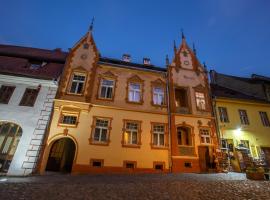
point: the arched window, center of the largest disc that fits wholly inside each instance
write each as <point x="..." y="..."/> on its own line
<point x="184" y="136"/>
<point x="10" y="135"/>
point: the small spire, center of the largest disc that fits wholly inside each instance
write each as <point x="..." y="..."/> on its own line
<point x="174" y="46"/>
<point x="182" y="32"/>
<point x="194" y="49"/>
<point x="167" y="60"/>
<point x="92" y="24"/>
<point x="204" y="65"/>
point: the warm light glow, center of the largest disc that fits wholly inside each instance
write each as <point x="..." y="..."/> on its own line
<point x="238" y="131"/>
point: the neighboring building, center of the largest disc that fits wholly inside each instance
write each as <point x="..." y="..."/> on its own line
<point x="242" y="107"/>
<point x="193" y="132"/>
<point x="28" y="84"/>
<point x="112" y="115"/>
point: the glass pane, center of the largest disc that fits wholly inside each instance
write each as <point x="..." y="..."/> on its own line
<point x="104" y="135"/>
<point x="5" y="129"/>
<point x="130" y="96"/>
<point x="161" y="139"/>
<point x="109" y="93"/>
<point x="14" y="146"/>
<point x="134" y="137"/>
<point x="96" y="134"/>
<point x="80" y="87"/>
<point x="155" y="139"/>
<point x="137" y="96"/>
<point x="73" y="87"/>
<point x="103" y="92"/>
<point x="2" y="137"/>
<point x="7" y="144"/>
<point x="107" y="82"/>
<point x="127" y="137"/>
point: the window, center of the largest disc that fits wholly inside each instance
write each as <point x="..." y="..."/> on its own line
<point x="158" y="135"/>
<point x="106" y="89"/>
<point x="223" y="115"/>
<point x="77" y="84"/>
<point x="264" y="118"/>
<point x="131" y="135"/>
<point x="69" y="119"/>
<point x="29" y="97"/>
<point x="244" y="143"/>
<point x="200" y="100"/>
<point x="96" y="163"/>
<point x="101" y="130"/>
<point x="243" y="117"/>
<point x="130" y="164"/>
<point x="181" y="97"/>
<point x="184" y="136"/>
<point x="158" y="96"/>
<point x="205" y="136"/>
<point x="134" y="93"/>
<point x="5" y="93"/>
<point x="159" y="165"/>
<point x="187" y="165"/>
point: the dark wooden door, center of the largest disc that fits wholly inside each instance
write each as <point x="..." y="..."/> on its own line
<point x="204" y="158"/>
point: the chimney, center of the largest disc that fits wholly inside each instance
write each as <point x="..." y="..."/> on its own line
<point x="126" y="57"/>
<point x="146" y="61"/>
<point x="58" y="49"/>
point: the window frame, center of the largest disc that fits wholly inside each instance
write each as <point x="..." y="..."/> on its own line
<point x="139" y="131"/>
<point x="242" y="120"/>
<point x="158" y="84"/>
<point x="68" y="113"/>
<point x="264" y="118"/>
<point x="166" y="139"/>
<point x="93" y="127"/>
<point x="7" y="95"/>
<point x="196" y="100"/>
<point x="201" y="129"/>
<point x="79" y="73"/>
<point x="100" y="88"/>
<point x="163" y="164"/>
<point x="135" y="80"/>
<point x="192" y="138"/>
<point x="33" y="99"/>
<point x="221" y="114"/>
<point x="125" y="162"/>
<point x="92" y="160"/>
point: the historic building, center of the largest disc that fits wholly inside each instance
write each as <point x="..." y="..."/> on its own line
<point x="242" y="107"/>
<point x="193" y="134"/>
<point x="28" y="84"/>
<point x="112" y="115"/>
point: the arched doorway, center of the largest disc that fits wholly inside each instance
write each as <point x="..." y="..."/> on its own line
<point x="61" y="155"/>
<point x="10" y="135"/>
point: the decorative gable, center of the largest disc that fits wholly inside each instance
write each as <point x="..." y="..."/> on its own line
<point x="135" y="78"/>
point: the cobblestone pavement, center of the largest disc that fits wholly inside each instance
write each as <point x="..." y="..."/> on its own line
<point x="144" y="186"/>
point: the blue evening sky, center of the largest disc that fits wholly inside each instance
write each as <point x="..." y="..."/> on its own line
<point x="231" y="36"/>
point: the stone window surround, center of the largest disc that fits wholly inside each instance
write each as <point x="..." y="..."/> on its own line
<point x="79" y="72"/>
<point x="166" y="136"/>
<point x="138" y="145"/>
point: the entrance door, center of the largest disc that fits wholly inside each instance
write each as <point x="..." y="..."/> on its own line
<point x="203" y="158"/>
<point x="10" y="135"/>
<point x="61" y="155"/>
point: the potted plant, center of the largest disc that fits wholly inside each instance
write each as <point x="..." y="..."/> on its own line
<point x="255" y="173"/>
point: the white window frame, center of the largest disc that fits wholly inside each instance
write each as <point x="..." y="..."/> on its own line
<point x="69" y="115"/>
<point x="158" y="133"/>
<point x="200" y="100"/>
<point x="158" y="96"/>
<point x="204" y="136"/>
<point x="223" y="114"/>
<point x="131" y="132"/>
<point x="101" y="128"/>
<point x="77" y="83"/>
<point x="102" y="85"/>
<point x="133" y="91"/>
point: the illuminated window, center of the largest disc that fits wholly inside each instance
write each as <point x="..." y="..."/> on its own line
<point x="29" y="97"/>
<point x="77" y="84"/>
<point x="223" y="115"/>
<point x="5" y="93"/>
<point x="243" y="117"/>
<point x="131" y="133"/>
<point x="101" y="130"/>
<point x="205" y="136"/>
<point x="134" y="92"/>
<point x="264" y="119"/>
<point x="200" y="100"/>
<point x="158" y="135"/>
<point x="106" y="89"/>
<point x="158" y="96"/>
<point x="184" y="136"/>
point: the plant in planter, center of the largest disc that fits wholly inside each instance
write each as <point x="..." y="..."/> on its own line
<point x="255" y="173"/>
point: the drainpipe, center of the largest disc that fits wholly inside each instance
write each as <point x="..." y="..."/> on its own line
<point x="169" y="119"/>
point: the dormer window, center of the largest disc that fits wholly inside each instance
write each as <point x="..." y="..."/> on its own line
<point x="37" y="65"/>
<point x="77" y="84"/>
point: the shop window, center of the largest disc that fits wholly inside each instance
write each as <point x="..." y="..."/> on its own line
<point x="184" y="136"/>
<point x="131" y="135"/>
<point x="205" y="136"/>
<point x="77" y="83"/>
<point x="243" y="117"/>
<point x="29" y="97"/>
<point x="158" y="96"/>
<point x="264" y="119"/>
<point x="5" y="93"/>
<point x="200" y="101"/>
<point x="223" y="114"/>
<point x="106" y="89"/>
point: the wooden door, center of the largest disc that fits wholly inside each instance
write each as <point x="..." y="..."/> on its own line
<point x="203" y="158"/>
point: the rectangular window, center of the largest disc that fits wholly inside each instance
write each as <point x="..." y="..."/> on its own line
<point x="158" y="135"/>
<point x="77" y="84"/>
<point x="264" y="118"/>
<point x="101" y="130"/>
<point x="223" y="115"/>
<point x="106" y="89"/>
<point x="69" y="119"/>
<point x="134" y="93"/>
<point x="200" y="100"/>
<point x="243" y="117"/>
<point x="29" y="97"/>
<point x="5" y="93"/>
<point x="205" y="136"/>
<point x="97" y="163"/>
<point x="181" y="97"/>
<point x="158" y="96"/>
<point x="131" y="133"/>
<point x="130" y="164"/>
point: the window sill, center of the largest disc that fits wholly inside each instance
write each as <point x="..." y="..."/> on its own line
<point x="68" y="125"/>
<point x="131" y="145"/>
<point x="91" y="142"/>
<point x="74" y="94"/>
<point x="135" y="102"/>
<point x="104" y="99"/>
<point x="159" y="147"/>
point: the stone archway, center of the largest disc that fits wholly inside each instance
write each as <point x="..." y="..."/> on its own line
<point x="61" y="155"/>
<point x="10" y="135"/>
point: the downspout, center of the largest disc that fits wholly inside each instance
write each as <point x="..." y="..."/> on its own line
<point x="169" y="119"/>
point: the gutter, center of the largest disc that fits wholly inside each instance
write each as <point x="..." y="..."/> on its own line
<point x="169" y="120"/>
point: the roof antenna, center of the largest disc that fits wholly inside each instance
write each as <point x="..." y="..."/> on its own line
<point x="194" y="49"/>
<point x="92" y="24"/>
<point x="182" y="32"/>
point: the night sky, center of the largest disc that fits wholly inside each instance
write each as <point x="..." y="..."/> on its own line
<point x="231" y="36"/>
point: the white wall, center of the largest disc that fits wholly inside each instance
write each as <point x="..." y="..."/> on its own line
<point x="29" y="118"/>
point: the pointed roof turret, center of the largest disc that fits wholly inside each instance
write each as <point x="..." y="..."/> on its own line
<point x="92" y="25"/>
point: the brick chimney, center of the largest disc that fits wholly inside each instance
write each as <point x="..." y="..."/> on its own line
<point x="126" y="57"/>
<point x="146" y="61"/>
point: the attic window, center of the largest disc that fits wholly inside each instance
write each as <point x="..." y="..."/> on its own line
<point x="86" y="46"/>
<point x="37" y="65"/>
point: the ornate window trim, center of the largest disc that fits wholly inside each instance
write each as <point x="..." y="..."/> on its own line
<point x="79" y="71"/>
<point x="138" y="145"/>
<point x="201" y="89"/>
<point x="93" y="126"/>
<point x="69" y="111"/>
<point x="108" y="76"/>
<point x="162" y="84"/>
<point x="210" y="135"/>
<point x="137" y="80"/>
<point x="166" y="136"/>
<point x="188" y="96"/>
<point x="192" y="134"/>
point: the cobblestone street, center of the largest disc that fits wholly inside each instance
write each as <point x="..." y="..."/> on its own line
<point x="150" y="186"/>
